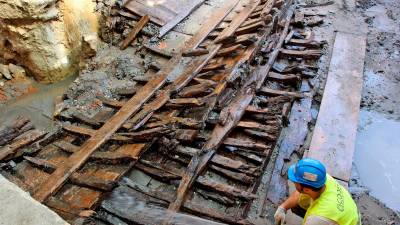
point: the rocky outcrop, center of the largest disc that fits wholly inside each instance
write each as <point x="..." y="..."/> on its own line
<point x="47" y="37"/>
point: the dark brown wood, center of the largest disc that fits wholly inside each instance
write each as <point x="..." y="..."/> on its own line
<point x="273" y="56"/>
<point x="245" y="144"/>
<point x="283" y="77"/>
<point x="305" y="54"/>
<point x="251" y="28"/>
<point x="135" y="31"/>
<point x="224" y="189"/>
<point x="186" y="135"/>
<point x="259" y="134"/>
<point x="194" y="91"/>
<point x="20" y="125"/>
<point x="272" y="92"/>
<point x="84" y="180"/>
<point x="21" y="141"/>
<point x="230" y="51"/>
<point x="237" y="176"/>
<point x="237" y="21"/>
<point x="247" y="39"/>
<point x="268" y="8"/>
<point x="213" y="67"/>
<point x="45" y="165"/>
<point x="111" y="102"/>
<point x="195" y="52"/>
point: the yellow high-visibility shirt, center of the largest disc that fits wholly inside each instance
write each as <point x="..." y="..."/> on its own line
<point x="335" y="203"/>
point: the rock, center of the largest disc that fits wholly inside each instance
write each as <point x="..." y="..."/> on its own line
<point x="17" y="71"/>
<point x="46" y="36"/>
<point x="4" y="70"/>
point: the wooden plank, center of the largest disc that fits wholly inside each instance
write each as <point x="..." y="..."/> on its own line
<point x="184" y="12"/>
<point x="269" y="91"/>
<point x="16" y="128"/>
<point x="333" y="141"/>
<point x="21" y="141"/>
<point x="134" y="32"/>
<point x="238" y="21"/>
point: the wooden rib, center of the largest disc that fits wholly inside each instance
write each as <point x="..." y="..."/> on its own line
<point x="267" y="67"/>
<point x="178" y="18"/>
<point x="245" y="144"/>
<point x="305" y="54"/>
<point x="21" y="141"/>
<point x="132" y="35"/>
<point x="239" y="20"/>
<point x="77" y="159"/>
<point x="269" y="91"/>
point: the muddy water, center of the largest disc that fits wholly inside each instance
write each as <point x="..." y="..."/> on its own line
<point x="39" y="106"/>
<point x="377" y="157"/>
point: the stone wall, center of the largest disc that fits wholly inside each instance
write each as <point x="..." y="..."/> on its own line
<point x="47" y="36"/>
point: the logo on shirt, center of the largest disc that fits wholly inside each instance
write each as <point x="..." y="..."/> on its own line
<point x="339" y="198"/>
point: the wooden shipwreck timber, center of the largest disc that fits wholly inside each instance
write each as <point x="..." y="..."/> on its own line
<point x="188" y="151"/>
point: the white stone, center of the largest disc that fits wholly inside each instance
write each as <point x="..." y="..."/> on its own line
<point x="16" y="71"/>
<point x="18" y="208"/>
<point x="4" y="70"/>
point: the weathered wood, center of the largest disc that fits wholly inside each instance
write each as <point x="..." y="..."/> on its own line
<point x="77" y="159"/>
<point x="158" y="51"/>
<point x="213" y="67"/>
<point x="227" y="190"/>
<point x="272" y="92"/>
<point x="283" y="77"/>
<point x="185" y="102"/>
<point x="254" y="109"/>
<point x="20" y="125"/>
<point x="305" y="54"/>
<point x="135" y="31"/>
<point x="257" y="126"/>
<point x="147" y="135"/>
<point x="237" y="176"/>
<point x="216" y="197"/>
<point x="66" y="146"/>
<point x="245" y="144"/>
<point x="21" y="141"/>
<point x="186" y="135"/>
<point x="89" y="181"/>
<point x="246" y="39"/>
<point x="263" y="135"/>
<point x="195" y="52"/>
<point x="198" y="90"/>
<point x="273" y="56"/>
<point x="200" y="161"/>
<point x="226" y="40"/>
<point x="111" y="102"/>
<point x="184" y="12"/>
<point x="250" y="28"/>
<point x="268" y="8"/>
<point x="157" y="173"/>
<point x="237" y="21"/>
<point x="47" y="166"/>
<point x="84" y="119"/>
<point x="230" y="51"/>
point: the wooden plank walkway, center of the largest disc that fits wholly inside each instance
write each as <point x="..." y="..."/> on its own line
<point x="334" y="136"/>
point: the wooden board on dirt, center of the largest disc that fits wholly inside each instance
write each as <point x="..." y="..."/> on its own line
<point x="334" y="136"/>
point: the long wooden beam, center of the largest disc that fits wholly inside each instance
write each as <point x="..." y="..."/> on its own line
<point x="76" y="160"/>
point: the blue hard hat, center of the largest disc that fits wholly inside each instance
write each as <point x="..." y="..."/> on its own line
<point x="308" y="171"/>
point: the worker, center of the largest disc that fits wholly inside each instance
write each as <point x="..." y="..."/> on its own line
<point x="318" y="197"/>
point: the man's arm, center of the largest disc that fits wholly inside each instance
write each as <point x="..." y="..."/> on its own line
<point x="292" y="201"/>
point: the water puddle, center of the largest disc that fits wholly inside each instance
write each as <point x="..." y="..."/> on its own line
<point x="377" y="157"/>
<point x="39" y="106"/>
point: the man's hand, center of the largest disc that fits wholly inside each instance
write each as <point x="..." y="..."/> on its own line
<point x="280" y="215"/>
